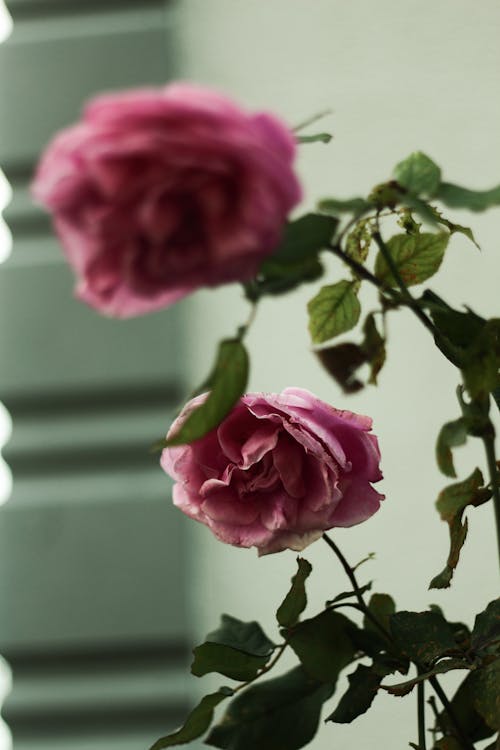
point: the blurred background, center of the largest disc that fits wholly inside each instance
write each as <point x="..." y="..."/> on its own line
<point x="104" y="587"/>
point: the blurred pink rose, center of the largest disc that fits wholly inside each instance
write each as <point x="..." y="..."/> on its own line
<point x="279" y="470"/>
<point x="157" y="192"/>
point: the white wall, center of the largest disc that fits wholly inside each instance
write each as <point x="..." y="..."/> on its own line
<point x="399" y="76"/>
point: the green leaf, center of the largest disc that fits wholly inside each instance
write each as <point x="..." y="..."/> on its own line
<point x="418" y="174"/>
<point x="485" y="688"/>
<point x="448" y="743"/>
<point x="342" y="362"/>
<point x="237" y="665"/>
<point x="295" y="601"/>
<point x="486" y="629"/>
<point x="334" y="310"/>
<point x="455" y="196"/>
<point x="279" y="278"/>
<point x="422" y="637"/>
<point x="273" y="715"/>
<point x="317" y="138"/>
<point x="461" y="328"/>
<point x="381" y="606"/>
<point x="323" y="644"/>
<point x="302" y="239"/>
<point x="358" y="241"/>
<point x="373" y="347"/>
<point x="451" y="435"/>
<point x="451" y="504"/>
<point x="295" y="260"/>
<point x="244" y="636"/>
<point x="471" y="722"/>
<point x="417" y="257"/>
<point x="363" y="687"/>
<point x="481" y="362"/>
<point x="228" y="382"/>
<point x="236" y="649"/>
<point x="452" y="227"/>
<point x="336" y="207"/>
<point x="197" y="722"/>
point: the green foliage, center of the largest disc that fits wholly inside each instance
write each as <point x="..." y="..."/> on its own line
<point x="485" y="688"/>
<point x="417" y="257"/>
<point x="295" y="601"/>
<point x="486" y="631"/>
<point x="323" y="644"/>
<point x="382" y="607"/>
<point x="363" y="686"/>
<point x="276" y="714"/>
<point x="342" y="361"/>
<point x="451" y="435"/>
<point x="295" y="260"/>
<point x="481" y="361"/>
<point x="334" y="310"/>
<point x="197" y="722"/>
<point x="418" y="174"/>
<point x="452" y="227"/>
<point x="423" y="637"/>
<point x="244" y="636"/>
<point x="237" y="665"/>
<point x="386" y="195"/>
<point x="227" y="383"/>
<point x="451" y="504"/>
<point x="316" y="138"/>
<point x="336" y="207"/>
<point x="471" y="722"/>
<point x="303" y="238"/>
<point x="455" y="196"/>
<point x="236" y="649"/>
<point x="358" y="241"/>
<point x="373" y="347"/>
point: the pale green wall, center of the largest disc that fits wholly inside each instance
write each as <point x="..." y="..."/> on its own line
<point x="399" y="76"/>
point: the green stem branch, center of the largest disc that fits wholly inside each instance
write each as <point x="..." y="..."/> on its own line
<point x="460" y="735"/>
<point x="489" y="445"/>
<point x="405" y="293"/>
<point x="265" y="669"/>
<point x="421" y="715"/>
<point x="355" y="586"/>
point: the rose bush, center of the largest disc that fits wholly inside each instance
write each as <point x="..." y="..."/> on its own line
<point x="279" y="470"/>
<point x="157" y="192"/>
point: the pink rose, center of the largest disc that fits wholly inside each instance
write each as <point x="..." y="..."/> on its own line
<point x="279" y="470"/>
<point x="157" y="192"/>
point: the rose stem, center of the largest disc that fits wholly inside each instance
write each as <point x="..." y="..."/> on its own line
<point x="421" y="715"/>
<point x="489" y="445"/>
<point x="433" y="680"/>
<point x="265" y="669"/>
<point x="410" y="301"/>
<point x="451" y="713"/>
<point x="356" y="588"/>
